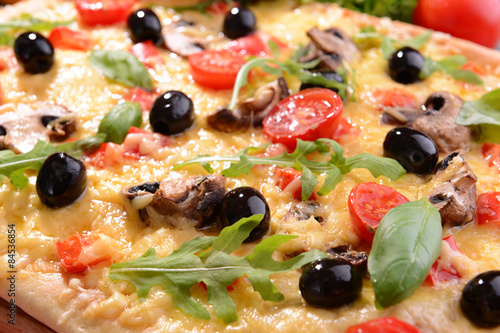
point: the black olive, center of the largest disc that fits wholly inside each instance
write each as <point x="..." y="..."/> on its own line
<point x="34" y="52"/>
<point x="414" y="150"/>
<point x="405" y="65"/>
<point x="145" y="25"/>
<point x="434" y="102"/>
<point x="146" y="187"/>
<point x="244" y="202"/>
<point x="480" y="300"/>
<point x="61" y="180"/>
<point x="3" y="131"/>
<point x="172" y="113"/>
<point x="239" y="22"/>
<point x="329" y="75"/>
<point x="330" y="283"/>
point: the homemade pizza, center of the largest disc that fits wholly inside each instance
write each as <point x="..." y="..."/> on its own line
<point x="279" y="166"/>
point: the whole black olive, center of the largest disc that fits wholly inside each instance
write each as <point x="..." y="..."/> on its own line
<point x="172" y="113"/>
<point x="145" y="25"/>
<point x="34" y="52"/>
<point x="414" y="150"/>
<point x="244" y="202"/>
<point x="329" y="75"/>
<point x="330" y="283"/>
<point x="239" y="22"/>
<point x="405" y="65"/>
<point x="61" y="180"/>
<point x="480" y="300"/>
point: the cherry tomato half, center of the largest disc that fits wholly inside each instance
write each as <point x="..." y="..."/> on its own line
<point x="473" y="20"/>
<point x="308" y="115"/>
<point x="368" y="203"/>
<point x="103" y="12"/>
<point x="64" y="38"/>
<point x="383" y="325"/>
<point x="488" y="208"/>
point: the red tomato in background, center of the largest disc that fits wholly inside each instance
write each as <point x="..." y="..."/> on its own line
<point x="474" y="20"/>
<point x="103" y="12"/>
<point x="64" y="38"/>
<point x="308" y="115"/>
<point x="488" y="208"/>
<point x="368" y="203"/>
<point x="383" y="325"/>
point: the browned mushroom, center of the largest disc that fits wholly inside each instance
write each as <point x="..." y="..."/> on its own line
<point x="252" y="111"/>
<point x="358" y="259"/>
<point x="21" y="128"/>
<point x="456" y="196"/>
<point x="331" y="46"/>
<point x="197" y="198"/>
<point x="303" y="210"/>
<point x="183" y="38"/>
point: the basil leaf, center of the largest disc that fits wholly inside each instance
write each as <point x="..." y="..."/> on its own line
<point x="117" y="122"/>
<point x="406" y="244"/>
<point x="122" y="67"/>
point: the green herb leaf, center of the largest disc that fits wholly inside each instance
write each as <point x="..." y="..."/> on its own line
<point x="335" y="167"/>
<point x="201" y="6"/>
<point x="122" y="67"/>
<point x="217" y="268"/>
<point x="452" y="66"/>
<point x="406" y="244"/>
<point x="117" y="122"/>
<point x="13" y="166"/>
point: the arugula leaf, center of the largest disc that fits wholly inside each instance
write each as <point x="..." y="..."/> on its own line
<point x="202" y="6"/>
<point x="122" y="67"/>
<point x="13" y="166"/>
<point x="335" y="167"/>
<point x="117" y="122"/>
<point x="406" y="244"/>
<point x="217" y="268"/>
<point x="452" y="66"/>
<point x="484" y="114"/>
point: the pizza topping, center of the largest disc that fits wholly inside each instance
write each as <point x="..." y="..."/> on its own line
<point x="117" y="122"/>
<point x="103" y="12"/>
<point x="39" y="121"/>
<point x="197" y="198"/>
<point x="304" y="210"/>
<point x="183" y="38"/>
<point x="34" y="52"/>
<point x="65" y="38"/>
<point x="331" y="46"/>
<point x="330" y="283"/>
<point x="480" y="301"/>
<point x="61" y="180"/>
<point x="172" y="113"/>
<point x="488" y="208"/>
<point x="453" y="66"/>
<point x="413" y="149"/>
<point x="405" y="65"/>
<point x="252" y="111"/>
<point x="244" y="202"/>
<point x="329" y="75"/>
<point x="455" y="197"/>
<point x="357" y="259"/>
<point x="383" y="325"/>
<point x="145" y="25"/>
<point x="443" y="269"/>
<point x="239" y="22"/>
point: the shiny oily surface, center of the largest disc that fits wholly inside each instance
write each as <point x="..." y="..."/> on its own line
<point x="239" y="22"/>
<point x="405" y="65"/>
<point x="34" y="52"/>
<point x="145" y="25"/>
<point x="480" y="300"/>
<point x="172" y="113"/>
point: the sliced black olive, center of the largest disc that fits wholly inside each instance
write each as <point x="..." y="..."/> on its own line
<point x="434" y="102"/>
<point x="329" y="75"/>
<point x="239" y="22"/>
<point x="34" y="52"/>
<point x="146" y="187"/>
<point x="405" y="65"/>
<point x="330" y="283"/>
<point x="414" y="150"/>
<point x="244" y="202"/>
<point x="145" y="25"/>
<point x="480" y="300"/>
<point x="61" y="180"/>
<point x="172" y="113"/>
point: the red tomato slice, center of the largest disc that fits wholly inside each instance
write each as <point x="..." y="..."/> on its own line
<point x="7" y="59"/>
<point x="383" y="325"/>
<point x="221" y="7"/>
<point x="248" y="45"/>
<point x="368" y="203"/>
<point x="144" y="98"/>
<point x="308" y="115"/>
<point x="289" y="181"/>
<point x="394" y="97"/>
<point x="488" y="208"/>
<point x="491" y="152"/>
<point x="472" y="66"/>
<point x="65" y="38"/>
<point x="76" y="253"/>
<point x="147" y="53"/>
<point x="438" y="272"/>
<point x="103" y="12"/>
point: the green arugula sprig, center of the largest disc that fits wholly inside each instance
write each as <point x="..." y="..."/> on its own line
<point x="334" y="168"/>
<point x="201" y="6"/>
<point x="452" y="66"/>
<point x="217" y="268"/>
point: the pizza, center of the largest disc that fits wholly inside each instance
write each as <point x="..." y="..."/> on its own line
<point x="208" y="167"/>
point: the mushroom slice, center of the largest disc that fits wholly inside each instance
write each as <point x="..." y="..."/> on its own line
<point x="438" y="122"/>
<point x="197" y="198"/>
<point x="304" y="210"/>
<point x="21" y="128"/>
<point x="183" y="38"/>
<point x="331" y="46"/>
<point x="400" y="115"/>
<point x="358" y="259"/>
<point x="252" y="111"/>
<point x="455" y="197"/>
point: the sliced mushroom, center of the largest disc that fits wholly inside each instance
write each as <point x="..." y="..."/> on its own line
<point x="197" y="198"/>
<point x="252" y="111"/>
<point x="303" y="210"/>
<point x="331" y="46"/>
<point x="184" y="39"/>
<point x="456" y="197"/>
<point x="28" y="123"/>
<point x="358" y="259"/>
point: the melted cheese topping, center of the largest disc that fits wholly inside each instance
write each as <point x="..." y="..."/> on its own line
<point x="73" y="83"/>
